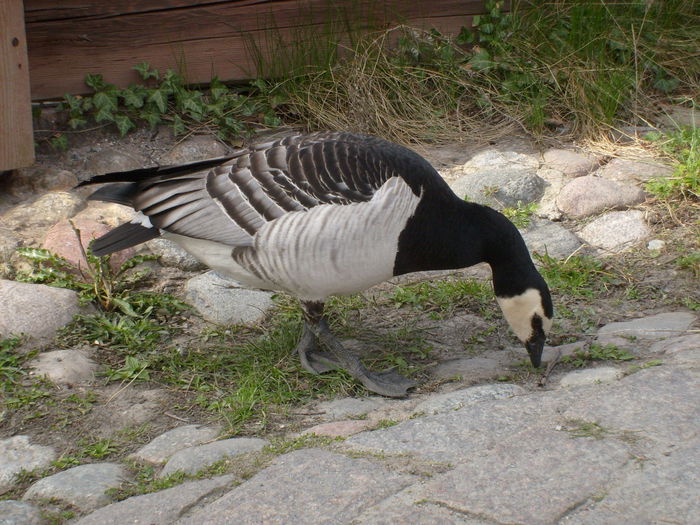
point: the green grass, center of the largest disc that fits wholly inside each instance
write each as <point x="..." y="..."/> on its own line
<point x="580" y="429"/>
<point x="576" y="276"/>
<point x="443" y="297"/>
<point x="683" y="145"/>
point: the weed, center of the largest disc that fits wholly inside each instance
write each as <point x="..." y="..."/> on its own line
<point x="521" y="215"/>
<point x="133" y="369"/>
<point x="100" y="449"/>
<point x="443" y="297"/>
<point x="10" y="362"/>
<point x="596" y="352"/>
<point x="690" y="262"/>
<point x="385" y="423"/>
<point x="286" y="445"/>
<point x="579" y="428"/>
<point x="683" y="145"/>
<point x="577" y="276"/>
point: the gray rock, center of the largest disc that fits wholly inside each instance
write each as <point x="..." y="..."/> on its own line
<point x="42" y="178"/>
<point x="107" y="213"/>
<point x="43" y="212"/>
<point x="589" y="195"/>
<point x="193" y="459"/>
<point x="662" y="490"/>
<point x="339" y="428"/>
<point x="683" y="350"/>
<point x="407" y="508"/>
<point x="534" y="478"/>
<point x="309" y="486"/>
<point x="17" y="454"/>
<point x="554" y="182"/>
<point x="170" y="254"/>
<point x="111" y="159"/>
<point x="467" y="396"/>
<point x="500" y="188"/>
<point x="616" y="231"/>
<point x="64" y="366"/>
<point x="661" y="403"/>
<point x="590" y="376"/>
<point x="473" y="430"/>
<point x="634" y="170"/>
<point x="491" y="158"/>
<point x="83" y="486"/>
<point x="470" y="368"/>
<point x="194" y="148"/>
<point x="164" y="506"/>
<point x="550" y="352"/>
<point x="656" y="245"/>
<point x="35" y="309"/>
<point x="8" y="246"/>
<point x="570" y="162"/>
<point x="546" y="237"/>
<point x="19" y="513"/>
<point x="221" y="301"/>
<point x="350" y="406"/>
<point x="165" y="445"/>
<point x="651" y="328"/>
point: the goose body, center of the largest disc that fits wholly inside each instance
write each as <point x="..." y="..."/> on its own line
<point x="328" y="213"/>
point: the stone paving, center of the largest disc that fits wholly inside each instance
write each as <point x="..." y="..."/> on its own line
<point x="610" y="444"/>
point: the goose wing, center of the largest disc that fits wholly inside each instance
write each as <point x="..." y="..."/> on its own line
<point x="228" y="202"/>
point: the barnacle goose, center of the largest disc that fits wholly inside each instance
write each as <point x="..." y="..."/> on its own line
<point x="328" y="213"/>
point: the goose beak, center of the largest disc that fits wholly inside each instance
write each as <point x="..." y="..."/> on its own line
<point x="534" y="346"/>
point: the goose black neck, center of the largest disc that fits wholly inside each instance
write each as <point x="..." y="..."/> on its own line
<point x="449" y="233"/>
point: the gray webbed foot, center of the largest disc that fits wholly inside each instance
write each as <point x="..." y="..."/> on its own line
<point x="316" y="332"/>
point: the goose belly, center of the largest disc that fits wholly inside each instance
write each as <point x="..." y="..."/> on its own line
<point x="217" y="256"/>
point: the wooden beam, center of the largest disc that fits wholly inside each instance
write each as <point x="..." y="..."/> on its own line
<point x="198" y="38"/>
<point x="16" y="135"/>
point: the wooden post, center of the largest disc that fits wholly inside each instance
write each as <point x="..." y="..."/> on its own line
<point x="16" y="135"/>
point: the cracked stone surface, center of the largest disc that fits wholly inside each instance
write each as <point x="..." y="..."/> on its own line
<point x="165" y="506"/>
<point x="342" y="487"/>
<point x="17" y="454"/>
<point x="83" y="486"/>
<point x="193" y="459"/>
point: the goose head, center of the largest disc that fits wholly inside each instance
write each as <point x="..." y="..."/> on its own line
<point x="529" y="315"/>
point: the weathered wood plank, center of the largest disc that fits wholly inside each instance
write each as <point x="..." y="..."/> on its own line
<point x="201" y="40"/>
<point x="16" y="135"/>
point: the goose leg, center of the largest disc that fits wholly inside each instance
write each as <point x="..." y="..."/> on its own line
<point x="387" y="383"/>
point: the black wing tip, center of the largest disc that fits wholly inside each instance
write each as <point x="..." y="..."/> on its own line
<point x="141" y="174"/>
<point x="123" y="236"/>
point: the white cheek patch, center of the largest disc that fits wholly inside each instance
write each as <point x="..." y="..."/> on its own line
<point x="519" y="311"/>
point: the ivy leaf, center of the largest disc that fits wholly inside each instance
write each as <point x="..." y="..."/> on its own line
<point x="124" y="124"/>
<point x="151" y="117"/>
<point x="178" y="125"/>
<point x="96" y="82"/>
<point x="144" y="69"/>
<point x="160" y="98"/>
<point x="481" y="61"/>
<point x="217" y="89"/>
<point x="105" y="100"/>
<point x="104" y="114"/>
<point x="76" y="122"/>
<point x="133" y="97"/>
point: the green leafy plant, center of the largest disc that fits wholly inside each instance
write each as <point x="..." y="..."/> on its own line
<point x="596" y="352"/>
<point x="97" y="282"/>
<point x="10" y="361"/>
<point x="166" y="98"/>
<point x="133" y="369"/>
<point x="521" y="215"/>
